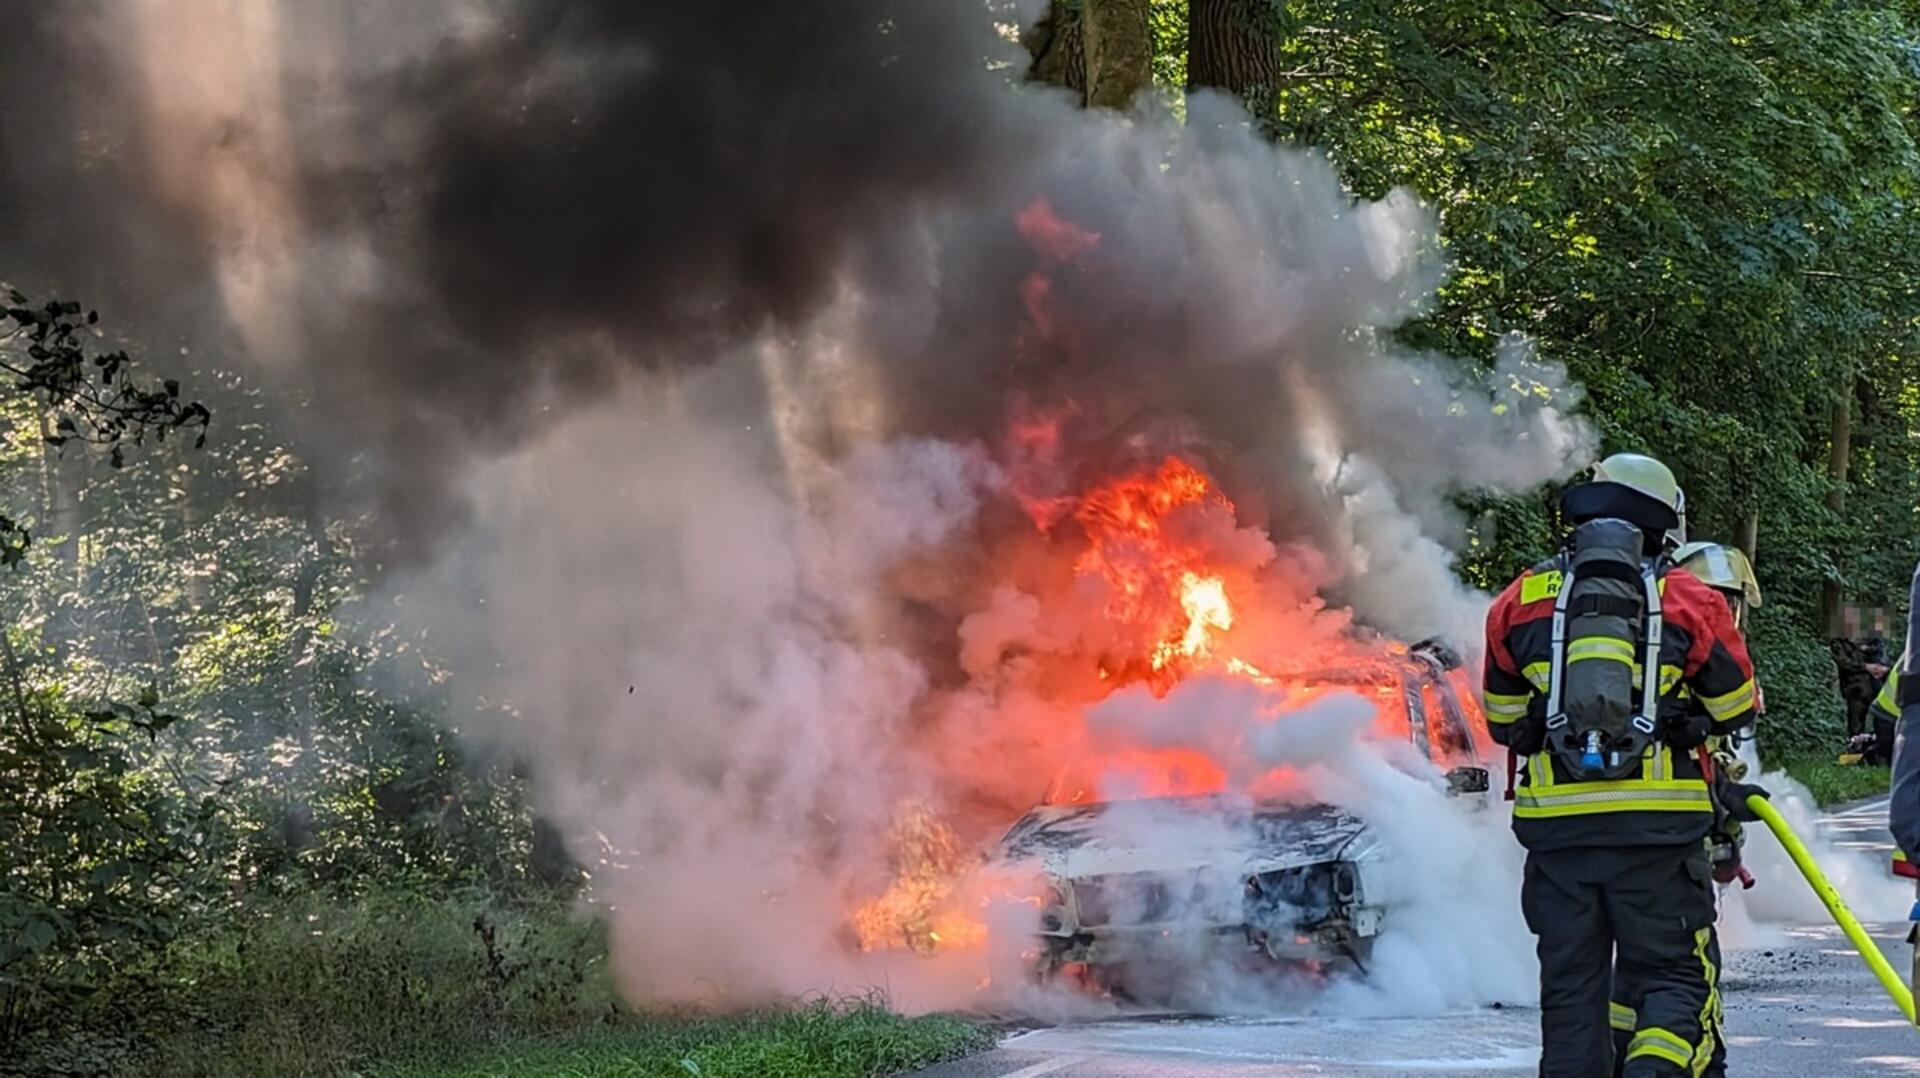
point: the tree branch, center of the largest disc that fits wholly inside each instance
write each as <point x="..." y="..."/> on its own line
<point x="1877" y="282"/>
<point x="1610" y="20"/>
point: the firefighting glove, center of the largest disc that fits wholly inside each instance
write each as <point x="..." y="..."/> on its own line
<point x="1684" y="733"/>
<point x="1737" y="793"/>
<point x="1529" y="736"/>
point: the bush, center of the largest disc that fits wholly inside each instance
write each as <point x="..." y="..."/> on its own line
<point x="404" y="984"/>
<point x="1805" y="715"/>
<point x="317" y="987"/>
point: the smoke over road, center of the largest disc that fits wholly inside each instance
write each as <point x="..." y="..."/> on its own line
<point x="732" y="376"/>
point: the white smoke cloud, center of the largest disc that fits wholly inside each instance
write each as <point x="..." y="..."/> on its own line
<point x="822" y="619"/>
<point x="708" y="710"/>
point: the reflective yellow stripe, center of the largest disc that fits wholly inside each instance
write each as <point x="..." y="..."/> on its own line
<point x="1537" y="586"/>
<point x="1550" y="812"/>
<point x="1659" y="764"/>
<point x="1654" y="1041"/>
<point x="1734" y="703"/>
<point x="1600" y="647"/>
<point x="1503" y="709"/>
<point x="1539" y="772"/>
<point x="1681" y="787"/>
<point x="1626" y="795"/>
<point x="1539" y="674"/>
<point x="1710" y="1011"/>
<point x="1889" y="695"/>
<point x="1669" y="677"/>
<point x="1621" y="1016"/>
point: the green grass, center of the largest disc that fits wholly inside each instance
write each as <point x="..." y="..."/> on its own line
<point x="411" y="986"/>
<point x="321" y="988"/>
<point x="823" y="1040"/>
<point x="1832" y="782"/>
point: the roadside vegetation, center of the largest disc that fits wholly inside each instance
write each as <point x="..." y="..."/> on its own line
<point x="1834" y="783"/>
<point x="858" y="1039"/>
<point x="393" y="983"/>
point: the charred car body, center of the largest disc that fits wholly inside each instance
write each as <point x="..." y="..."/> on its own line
<point x="1138" y="882"/>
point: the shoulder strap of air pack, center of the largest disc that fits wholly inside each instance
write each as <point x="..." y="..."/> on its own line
<point x="1557" y="658"/>
<point x="1650" y="573"/>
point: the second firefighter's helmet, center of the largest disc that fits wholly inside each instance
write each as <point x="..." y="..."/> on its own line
<point x="1725" y="569"/>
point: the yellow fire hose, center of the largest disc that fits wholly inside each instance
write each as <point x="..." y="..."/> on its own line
<point x="1842" y="916"/>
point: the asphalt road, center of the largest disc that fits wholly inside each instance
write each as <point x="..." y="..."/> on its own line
<point x="1802" y="1005"/>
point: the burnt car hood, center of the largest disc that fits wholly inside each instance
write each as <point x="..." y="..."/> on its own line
<point x="1183" y="833"/>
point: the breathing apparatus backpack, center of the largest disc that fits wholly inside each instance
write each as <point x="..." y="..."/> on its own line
<point x="1600" y="721"/>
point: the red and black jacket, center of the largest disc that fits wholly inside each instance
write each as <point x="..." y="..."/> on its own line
<point x="1703" y="664"/>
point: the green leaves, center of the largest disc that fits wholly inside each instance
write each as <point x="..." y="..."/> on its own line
<point x="36" y="935"/>
<point x="99" y="399"/>
<point x="95" y="398"/>
<point x="1702" y="209"/>
<point x="141" y="716"/>
<point x="14" y="542"/>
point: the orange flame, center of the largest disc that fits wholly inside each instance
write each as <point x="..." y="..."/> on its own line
<point x="917" y="910"/>
<point x="1156" y="578"/>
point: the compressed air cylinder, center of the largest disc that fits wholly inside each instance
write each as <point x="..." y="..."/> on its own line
<point x="1598" y="690"/>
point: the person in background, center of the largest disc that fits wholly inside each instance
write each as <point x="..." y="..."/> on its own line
<point x="1860" y="658"/>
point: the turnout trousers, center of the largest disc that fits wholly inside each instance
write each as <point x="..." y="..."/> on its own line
<point x="1624" y="1014"/>
<point x="1649" y="910"/>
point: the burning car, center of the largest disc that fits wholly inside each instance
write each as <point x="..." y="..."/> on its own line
<point x="1151" y="664"/>
<point x="1243" y="877"/>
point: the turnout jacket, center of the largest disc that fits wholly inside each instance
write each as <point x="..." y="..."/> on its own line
<point x="1887" y="704"/>
<point x="1703" y="665"/>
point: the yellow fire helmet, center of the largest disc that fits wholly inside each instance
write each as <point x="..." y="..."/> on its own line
<point x="1633" y="487"/>
<point x="1723" y="568"/>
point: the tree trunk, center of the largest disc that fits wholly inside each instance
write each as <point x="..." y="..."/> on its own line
<point x="196" y="584"/>
<point x="1119" y="51"/>
<point x="61" y="473"/>
<point x="1749" y="538"/>
<point x="28" y="735"/>
<point x="1059" y="48"/>
<point x="59" y="499"/>
<point x="1231" y="47"/>
<point x="306" y="583"/>
<point x="1839" y="453"/>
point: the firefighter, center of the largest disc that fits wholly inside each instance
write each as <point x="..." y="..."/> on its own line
<point x="1903" y="812"/>
<point x="1726" y="570"/>
<point x="1612" y="808"/>
<point x="1884" y="713"/>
